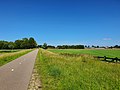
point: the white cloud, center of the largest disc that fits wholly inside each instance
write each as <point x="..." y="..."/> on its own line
<point x="107" y="39"/>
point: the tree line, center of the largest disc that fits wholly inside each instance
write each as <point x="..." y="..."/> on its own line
<point x="109" y="47"/>
<point x="116" y="46"/>
<point x="25" y="43"/>
<point x="70" y="47"/>
<point x="45" y="46"/>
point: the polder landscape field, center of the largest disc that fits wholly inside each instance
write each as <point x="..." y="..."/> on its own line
<point x="95" y="52"/>
<point x="75" y="69"/>
<point x="8" y="55"/>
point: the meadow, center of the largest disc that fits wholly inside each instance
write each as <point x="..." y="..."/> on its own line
<point x="63" y="72"/>
<point x="95" y="52"/>
<point x="9" y="55"/>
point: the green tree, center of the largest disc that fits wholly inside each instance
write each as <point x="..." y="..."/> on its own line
<point x="25" y="43"/>
<point x="44" y="46"/>
<point x="32" y="43"/>
<point x="5" y="45"/>
<point x="18" y="44"/>
<point x="1" y="44"/>
<point x="11" y="45"/>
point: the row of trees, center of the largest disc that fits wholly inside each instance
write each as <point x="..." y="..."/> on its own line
<point x="25" y="43"/>
<point x="45" y="46"/>
<point x="116" y="46"/>
<point x="93" y="46"/>
<point x="70" y="47"/>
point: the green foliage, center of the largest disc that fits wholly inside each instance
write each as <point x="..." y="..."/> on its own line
<point x="71" y="47"/>
<point x="60" y="72"/>
<point x="50" y="47"/>
<point x="32" y="43"/>
<point x="25" y="43"/>
<point x="18" y="44"/>
<point x="44" y="46"/>
<point x="3" y="44"/>
<point x="54" y="71"/>
<point x="11" y="45"/>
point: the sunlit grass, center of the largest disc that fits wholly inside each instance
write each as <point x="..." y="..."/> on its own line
<point x="60" y="72"/>
<point x="103" y="52"/>
<point x="7" y="57"/>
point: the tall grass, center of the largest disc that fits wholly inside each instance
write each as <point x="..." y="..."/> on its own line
<point x="7" y="57"/>
<point x="60" y="72"/>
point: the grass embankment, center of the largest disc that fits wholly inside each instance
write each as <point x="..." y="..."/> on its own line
<point x="104" y="52"/>
<point x="60" y="72"/>
<point x="7" y="51"/>
<point x="7" y="57"/>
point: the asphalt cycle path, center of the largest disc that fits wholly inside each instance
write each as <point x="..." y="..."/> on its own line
<point x="16" y="74"/>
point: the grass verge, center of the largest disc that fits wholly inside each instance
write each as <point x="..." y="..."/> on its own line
<point x="7" y="57"/>
<point x="58" y="72"/>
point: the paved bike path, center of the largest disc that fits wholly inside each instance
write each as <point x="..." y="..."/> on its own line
<point x="16" y="74"/>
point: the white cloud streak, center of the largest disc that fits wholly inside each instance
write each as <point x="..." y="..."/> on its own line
<point x="107" y="39"/>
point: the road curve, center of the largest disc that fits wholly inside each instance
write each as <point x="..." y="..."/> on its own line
<point x="16" y="74"/>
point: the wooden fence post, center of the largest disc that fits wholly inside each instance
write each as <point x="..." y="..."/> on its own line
<point x="116" y="59"/>
<point x="105" y="58"/>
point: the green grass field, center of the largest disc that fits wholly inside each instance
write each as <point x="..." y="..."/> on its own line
<point x="60" y="72"/>
<point x="8" y="51"/>
<point x="104" y="52"/>
<point x="9" y="55"/>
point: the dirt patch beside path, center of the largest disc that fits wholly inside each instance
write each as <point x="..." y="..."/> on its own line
<point x="35" y="83"/>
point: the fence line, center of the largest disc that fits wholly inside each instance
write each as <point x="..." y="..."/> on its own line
<point x="106" y="58"/>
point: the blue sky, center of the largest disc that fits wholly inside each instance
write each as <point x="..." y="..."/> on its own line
<point x="90" y="22"/>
